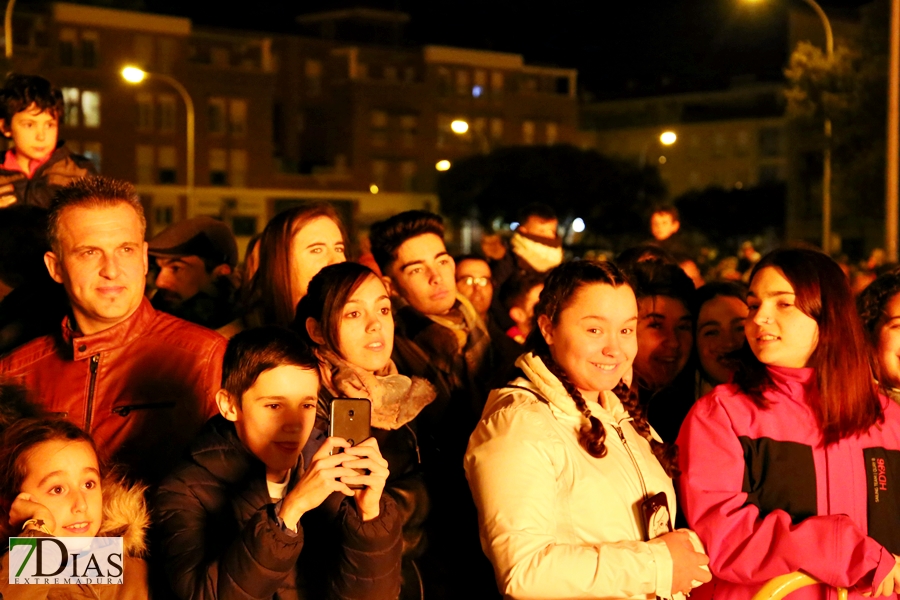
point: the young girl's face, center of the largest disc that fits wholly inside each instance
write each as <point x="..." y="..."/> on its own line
<point x="366" y="333"/>
<point x="779" y="333"/>
<point x="64" y="476"/>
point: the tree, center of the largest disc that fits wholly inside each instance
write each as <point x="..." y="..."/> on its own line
<point x="613" y="196"/>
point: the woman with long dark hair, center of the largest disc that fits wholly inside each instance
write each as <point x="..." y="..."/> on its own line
<point x="792" y="466"/>
<point x="572" y="485"/>
<point x="295" y="245"/>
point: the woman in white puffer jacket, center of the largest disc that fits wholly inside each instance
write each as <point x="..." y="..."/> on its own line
<point x="572" y="499"/>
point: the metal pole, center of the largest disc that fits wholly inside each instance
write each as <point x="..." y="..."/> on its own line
<point x="892" y="168"/>
<point x="189" y="106"/>
<point x="7" y="28"/>
<point x="826" y="158"/>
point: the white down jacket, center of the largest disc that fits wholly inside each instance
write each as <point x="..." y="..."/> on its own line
<point x="555" y="521"/>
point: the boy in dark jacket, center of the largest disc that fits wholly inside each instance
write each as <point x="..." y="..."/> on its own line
<point x="243" y="517"/>
<point x="31" y="172"/>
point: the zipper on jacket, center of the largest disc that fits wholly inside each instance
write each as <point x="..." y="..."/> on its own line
<point x="633" y="459"/>
<point x="95" y="362"/>
<point x="123" y="411"/>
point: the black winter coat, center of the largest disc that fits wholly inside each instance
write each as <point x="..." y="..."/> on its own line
<point x="61" y="168"/>
<point x="218" y="534"/>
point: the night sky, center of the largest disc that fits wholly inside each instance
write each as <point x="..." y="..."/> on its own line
<point x="624" y="48"/>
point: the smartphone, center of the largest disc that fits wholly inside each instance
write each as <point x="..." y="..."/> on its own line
<point x="350" y="418"/>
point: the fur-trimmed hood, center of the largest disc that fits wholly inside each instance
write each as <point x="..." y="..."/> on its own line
<point x="125" y="514"/>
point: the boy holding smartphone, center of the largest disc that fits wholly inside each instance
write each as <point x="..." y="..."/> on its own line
<point x="244" y="517"/>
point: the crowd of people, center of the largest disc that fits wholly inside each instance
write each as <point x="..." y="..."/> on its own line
<point x="541" y="427"/>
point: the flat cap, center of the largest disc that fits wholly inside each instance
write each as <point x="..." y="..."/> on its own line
<point x="205" y="237"/>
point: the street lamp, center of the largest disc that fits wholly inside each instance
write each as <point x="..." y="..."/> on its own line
<point x="461" y="127"/>
<point x="826" y="158"/>
<point x="442" y="165"/>
<point x="135" y="76"/>
<point x="666" y="138"/>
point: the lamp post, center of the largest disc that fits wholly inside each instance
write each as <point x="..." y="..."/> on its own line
<point x="893" y="138"/>
<point x="135" y="75"/>
<point x="7" y="28"/>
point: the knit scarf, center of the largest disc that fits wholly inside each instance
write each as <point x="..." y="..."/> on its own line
<point x="542" y="254"/>
<point x="471" y="334"/>
<point x="396" y="399"/>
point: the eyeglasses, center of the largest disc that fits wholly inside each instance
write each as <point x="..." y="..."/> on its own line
<point x="472" y="281"/>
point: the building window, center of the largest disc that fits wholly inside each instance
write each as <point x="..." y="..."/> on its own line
<point x="145" y="112"/>
<point x="167" y="110"/>
<point x="379" y="172"/>
<point x="527" y="132"/>
<point x="71" y="97"/>
<point x="89" y="58"/>
<point x="167" y="54"/>
<point x="770" y="141"/>
<point x="409" y="128"/>
<point x="67" y="40"/>
<point x="239" y="168"/>
<point x="237" y="113"/>
<point x="313" y="71"/>
<point x="143" y="50"/>
<point x="163" y="215"/>
<point x="443" y="83"/>
<point x="167" y="164"/>
<point x="443" y="129"/>
<point x="218" y="167"/>
<point x="144" y="163"/>
<point x="552" y="133"/>
<point x="215" y="113"/>
<point x="90" y="108"/>
<point x="496" y="83"/>
<point x="496" y="129"/>
<point x="378" y="122"/>
<point x="408" y="175"/>
<point x="243" y="226"/>
<point x="92" y="151"/>
<point x="220" y="57"/>
<point x="463" y="82"/>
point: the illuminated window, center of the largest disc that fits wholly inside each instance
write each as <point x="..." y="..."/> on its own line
<point x="144" y="163"/>
<point x="167" y="164"/>
<point x="218" y="167"/>
<point x="497" y="83"/>
<point x="167" y="111"/>
<point x="237" y="113"/>
<point x="527" y="132"/>
<point x="145" y="112"/>
<point x="496" y="129"/>
<point x="552" y="133"/>
<point x="90" y="108"/>
<point x="71" y="97"/>
<point x="239" y="168"/>
<point x="215" y="113"/>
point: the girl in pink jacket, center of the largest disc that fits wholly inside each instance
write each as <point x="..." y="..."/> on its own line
<point x="794" y="465"/>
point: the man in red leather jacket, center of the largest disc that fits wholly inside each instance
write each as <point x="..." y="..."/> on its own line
<point x="141" y="382"/>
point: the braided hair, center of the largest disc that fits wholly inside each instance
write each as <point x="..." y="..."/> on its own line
<point x="560" y="287"/>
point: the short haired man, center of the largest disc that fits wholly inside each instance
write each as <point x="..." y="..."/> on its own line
<point x="31" y="109"/>
<point x="196" y="259"/>
<point x="140" y="381"/>
<point x="439" y="336"/>
<point x="240" y="516"/>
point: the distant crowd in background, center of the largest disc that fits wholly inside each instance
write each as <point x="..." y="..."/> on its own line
<point x="541" y="426"/>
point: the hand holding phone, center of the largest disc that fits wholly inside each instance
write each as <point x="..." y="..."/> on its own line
<point x="350" y="419"/>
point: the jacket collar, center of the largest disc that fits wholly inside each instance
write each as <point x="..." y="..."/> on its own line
<point x="552" y="390"/>
<point x="793" y="382"/>
<point x="121" y="334"/>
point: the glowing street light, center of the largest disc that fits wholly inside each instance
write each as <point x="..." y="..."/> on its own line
<point x="134" y="75"/>
<point x="459" y="126"/>
<point x="578" y="225"/>
<point x="373" y="188"/>
<point x="667" y="138"/>
<point x="442" y="165"/>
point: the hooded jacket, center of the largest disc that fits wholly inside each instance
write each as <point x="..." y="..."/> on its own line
<point x="125" y="515"/>
<point x="142" y="388"/>
<point x="61" y="169"/>
<point x="555" y="521"/>
<point x="767" y="498"/>
<point x="219" y="535"/>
